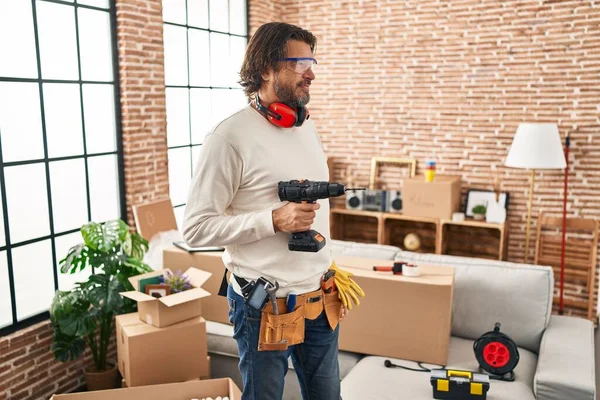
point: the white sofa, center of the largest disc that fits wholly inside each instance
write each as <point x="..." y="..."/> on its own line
<point x="556" y="352"/>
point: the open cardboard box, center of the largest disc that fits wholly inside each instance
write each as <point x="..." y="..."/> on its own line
<point x="174" y="308"/>
<point x="171" y="391"/>
<point x="214" y="308"/>
<point x="125" y="385"/>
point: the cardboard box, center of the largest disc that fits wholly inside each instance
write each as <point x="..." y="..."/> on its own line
<point x="124" y="384"/>
<point x="401" y="317"/>
<point x="174" y="308"/>
<point x="154" y="217"/>
<point x="148" y="355"/>
<point x="174" y="391"/>
<point x="437" y="199"/>
<point x="214" y="307"/>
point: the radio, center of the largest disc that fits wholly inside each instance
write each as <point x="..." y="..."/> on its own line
<point x="354" y="199"/>
<point x="375" y="200"/>
<point x="394" y="201"/>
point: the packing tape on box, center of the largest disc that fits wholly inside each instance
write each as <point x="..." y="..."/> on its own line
<point x="410" y="270"/>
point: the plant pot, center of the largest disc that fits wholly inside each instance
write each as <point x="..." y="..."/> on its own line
<point x="101" y="380"/>
<point x="478" y="217"/>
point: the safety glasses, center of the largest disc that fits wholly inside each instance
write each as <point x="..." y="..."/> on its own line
<point x="299" y="65"/>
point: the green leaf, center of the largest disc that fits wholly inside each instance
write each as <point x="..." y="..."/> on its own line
<point x="105" y="238"/>
<point x="76" y="260"/>
<point x="66" y="303"/>
<point x="105" y="293"/>
<point x="139" y="246"/>
<point x="65" y="347"/>
<point x="93" y="235"/>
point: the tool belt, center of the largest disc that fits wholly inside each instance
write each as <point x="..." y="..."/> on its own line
<point x="277" y="332"/>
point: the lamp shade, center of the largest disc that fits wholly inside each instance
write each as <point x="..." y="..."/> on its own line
<point x="536" y="146"/>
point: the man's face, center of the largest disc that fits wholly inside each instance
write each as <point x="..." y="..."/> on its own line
<point x="292" y="81"/>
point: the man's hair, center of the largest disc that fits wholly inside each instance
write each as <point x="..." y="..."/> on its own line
<point x="267" y="45"/>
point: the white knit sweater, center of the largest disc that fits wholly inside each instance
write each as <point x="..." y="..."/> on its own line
<point x="234" y="191"/>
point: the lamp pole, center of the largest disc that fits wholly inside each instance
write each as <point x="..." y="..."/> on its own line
<point x="564" y="227"/>
<point x="529" y="205"/>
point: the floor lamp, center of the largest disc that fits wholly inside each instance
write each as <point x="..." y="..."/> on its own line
<point x="564" y="228"/>
<point x="535" y="146"/>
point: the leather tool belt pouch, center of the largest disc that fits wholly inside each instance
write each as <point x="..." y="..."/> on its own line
<point x="278" y="332"/>
<point x="333" y="308"/>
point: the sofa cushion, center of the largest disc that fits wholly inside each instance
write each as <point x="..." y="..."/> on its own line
<point x="220" y="341"/>
<point x="370" y="379"/>
<point x="367" y="250"/>
<point x="519" y="296"/>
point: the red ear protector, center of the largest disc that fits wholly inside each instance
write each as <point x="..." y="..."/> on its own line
<point x="282" y="115"/>
<point x="497" y="354"/>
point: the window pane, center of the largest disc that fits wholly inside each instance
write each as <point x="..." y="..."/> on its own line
<point x="2" y="233"/>
<point x="175" y="55"/>
<point x="174" y="11"/>
<point x="198" y="13"/>
<point x="95" y="3"/>
<point x="69" y="200"/>
<point x="178" y="116"/>
<point x="5" y="306"/>
<point x="221" y="108"/>
<point x="62" y="106"/>
<point x="180" y="174"/>
<point x="63" y="244"/>
<point x="238" y="100"/>
<point x="219" y="15"/>
<point x="95" y="45"/>
<point x="27" y="204"/>
<point x="99" y="117"/>
<point x="236" y="53"/>
<point x="104" y="188"/>
<point x="58" y="46"/>
<point x="219" y="59"/>
<point x="34" y="278"/>
<point x="199" y="53"/>
<point x="20" y="121"/>
<point x="200" y="108"/>
<point x="237" y="17"/>
<point x="17" y="48"/>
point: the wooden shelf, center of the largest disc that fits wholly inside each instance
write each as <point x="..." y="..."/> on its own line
<point x="468" y="238"/>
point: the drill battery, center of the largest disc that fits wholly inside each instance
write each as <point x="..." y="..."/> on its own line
<point x="451" y="384"/>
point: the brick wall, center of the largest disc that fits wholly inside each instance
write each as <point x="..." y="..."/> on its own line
<point x="144" y="117"/>
<point x="27" y="366"/>
<point x="28" y="369"/>
<point x="452" y="80"/>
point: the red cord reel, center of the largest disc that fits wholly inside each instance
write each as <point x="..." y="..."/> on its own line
<point x="497" y="354"/>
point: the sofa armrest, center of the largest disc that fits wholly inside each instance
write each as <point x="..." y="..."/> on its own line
<point x="566" y="366"/>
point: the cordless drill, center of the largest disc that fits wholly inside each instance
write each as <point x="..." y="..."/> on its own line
<point x="305" y="191"/>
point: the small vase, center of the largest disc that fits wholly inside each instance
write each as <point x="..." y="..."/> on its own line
<point x="478" y="217"/>
<point x="102" y="380"/>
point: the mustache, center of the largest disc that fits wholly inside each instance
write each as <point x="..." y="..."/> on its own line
<point x="304" y="82"/>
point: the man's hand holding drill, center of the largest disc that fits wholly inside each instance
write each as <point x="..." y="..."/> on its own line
<point x="295" y="217"/>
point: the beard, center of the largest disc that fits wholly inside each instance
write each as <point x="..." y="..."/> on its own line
<point x="287" y="93"/>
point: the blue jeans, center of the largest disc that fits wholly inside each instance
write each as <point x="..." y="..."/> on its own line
<point x="315" y="361"/>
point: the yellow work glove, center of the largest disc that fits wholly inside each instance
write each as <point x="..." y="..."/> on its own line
<point x="348" y="290"/>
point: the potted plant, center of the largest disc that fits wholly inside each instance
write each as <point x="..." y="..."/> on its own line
<point x="479" y="212"/>
<point x="84" y="316"/>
